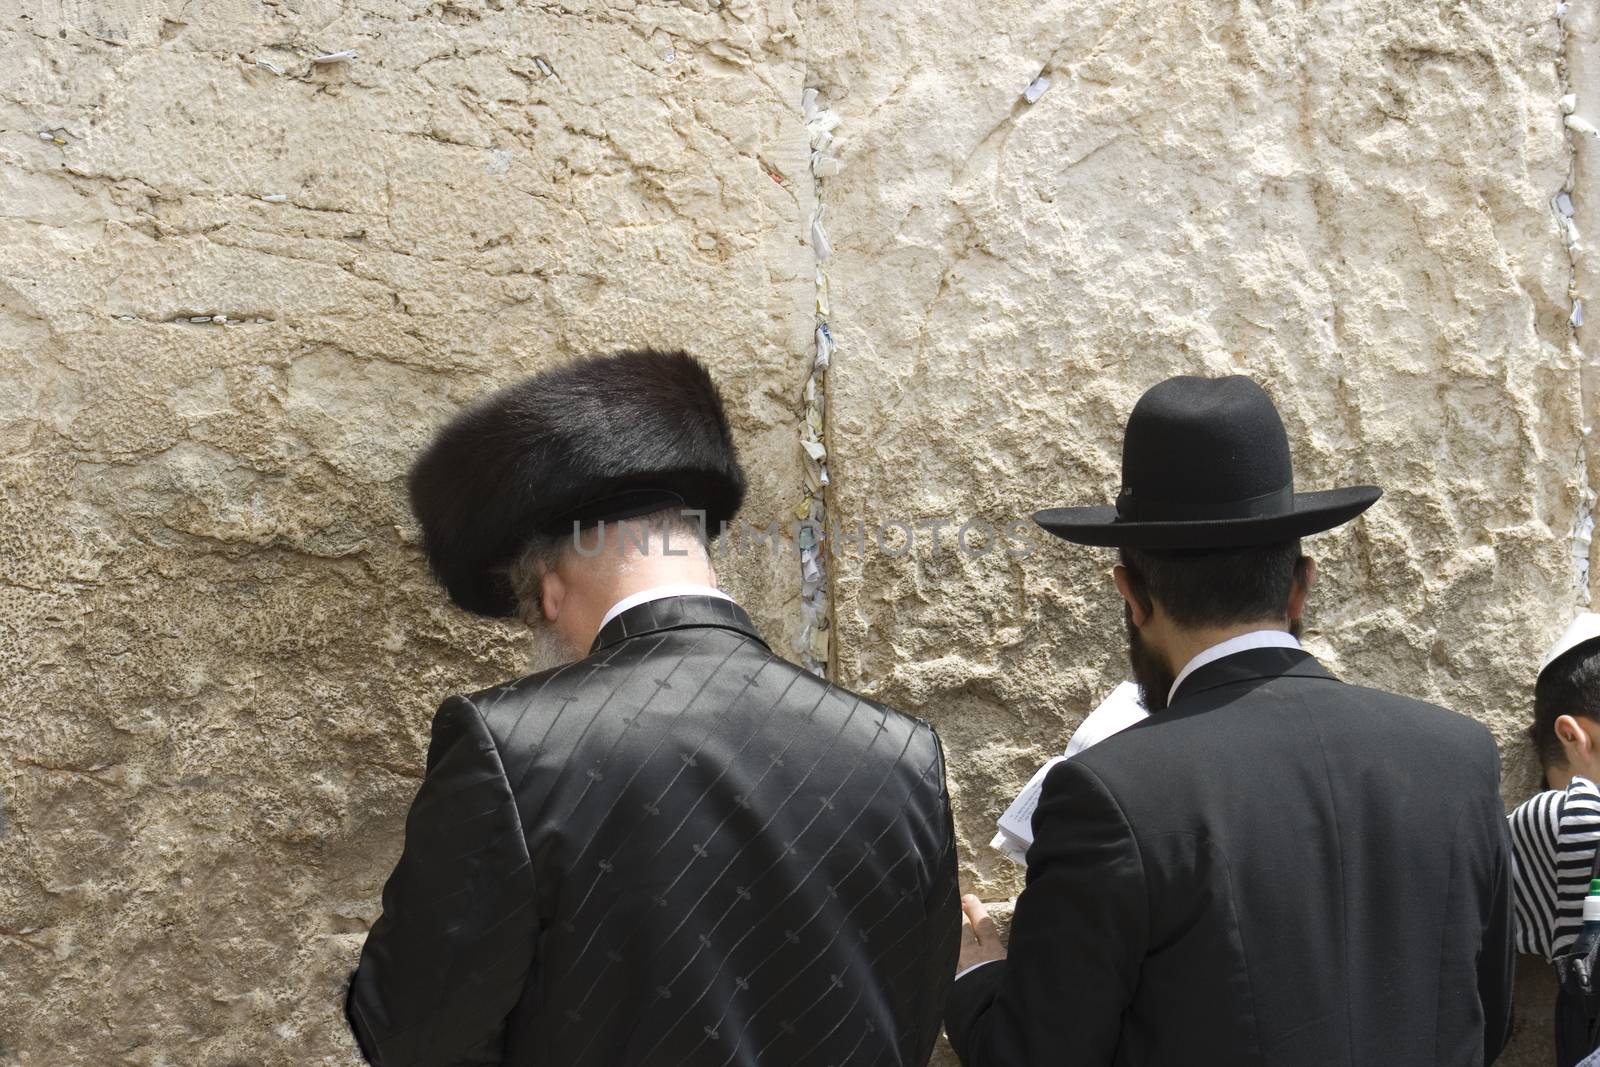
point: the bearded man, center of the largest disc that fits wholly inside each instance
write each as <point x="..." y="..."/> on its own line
<point x="669" y="846"/>
<point x="1274" y="868"/>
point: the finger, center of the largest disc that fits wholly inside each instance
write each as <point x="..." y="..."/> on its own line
<point x="975" y="915"/>
<point x="967" y="926"/>
<point x="985" y="931"/>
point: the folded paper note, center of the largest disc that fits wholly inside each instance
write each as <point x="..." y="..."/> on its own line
<point x="1116" y="712"/>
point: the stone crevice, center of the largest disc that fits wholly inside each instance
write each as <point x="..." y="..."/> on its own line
<point x="815" y="641"/>
<point x="1575" y="31"/>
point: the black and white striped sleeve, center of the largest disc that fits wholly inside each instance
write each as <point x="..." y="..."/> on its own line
<point x="1576" y="837"/>
<point x="1534" y="832"/>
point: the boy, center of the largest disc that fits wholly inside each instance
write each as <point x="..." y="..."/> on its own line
<point x="1553" y="834"/>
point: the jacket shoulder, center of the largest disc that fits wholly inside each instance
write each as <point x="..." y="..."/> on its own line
<point x="510" y="704"/>
<point x="1442" y="725"/>
<point x="507" y="704"/>
<point x="860" y="715"/>
<point x="1219" y="723"/>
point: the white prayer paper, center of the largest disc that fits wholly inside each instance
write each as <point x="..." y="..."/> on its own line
<point x="1115" y="713"/>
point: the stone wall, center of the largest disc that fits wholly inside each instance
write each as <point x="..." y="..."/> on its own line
<point x="220" y="648"/>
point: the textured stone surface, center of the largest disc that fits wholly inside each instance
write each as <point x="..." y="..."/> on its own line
<point x="221" y="652"/>
<point x="1350" y="202"/>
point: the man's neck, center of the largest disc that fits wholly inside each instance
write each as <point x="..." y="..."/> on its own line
<point x="640" y="579"/>
<point x="1185" y="644"/>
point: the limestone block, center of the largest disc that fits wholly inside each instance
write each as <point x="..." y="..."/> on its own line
<point x="221" y="648"/>
<point x="1350" y="203"/>
<point x="1374" y="244"/>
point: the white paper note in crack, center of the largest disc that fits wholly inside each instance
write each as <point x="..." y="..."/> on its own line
<point x="1116" y="712"/>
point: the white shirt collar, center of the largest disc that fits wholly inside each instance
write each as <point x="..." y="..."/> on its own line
<point x="658" y="592"/>
<point x="1242" y="643"/>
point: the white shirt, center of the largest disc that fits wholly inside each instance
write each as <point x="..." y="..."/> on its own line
<point x="658" y="592"/>
<point x="1242" y="643"/>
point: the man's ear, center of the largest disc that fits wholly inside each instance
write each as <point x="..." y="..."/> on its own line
<point x="1575" y="740"/>
<point x="552" y="593"/>
<point x="1139" y="607"/>
<point x="1305" y="577"/>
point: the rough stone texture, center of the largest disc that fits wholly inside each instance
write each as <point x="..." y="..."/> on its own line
<point x="221" y="651"/>
<point x="1350" y="202"/>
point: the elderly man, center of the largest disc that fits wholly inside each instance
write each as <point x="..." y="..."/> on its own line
<point x="1275" y="868"/>
<point x="669" y="846"/>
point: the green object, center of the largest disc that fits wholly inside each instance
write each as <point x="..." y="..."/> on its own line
<point x="1594" y="887"/>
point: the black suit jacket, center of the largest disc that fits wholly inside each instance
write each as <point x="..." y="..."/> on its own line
<point x="1279" y="869"/>
<point x="679" y="850"/>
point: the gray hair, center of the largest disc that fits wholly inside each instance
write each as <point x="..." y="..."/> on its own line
<point x="526" y="573"/>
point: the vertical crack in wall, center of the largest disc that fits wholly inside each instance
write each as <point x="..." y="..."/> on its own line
<point x="1581" y="134"/>
<point x="816" y="633"/>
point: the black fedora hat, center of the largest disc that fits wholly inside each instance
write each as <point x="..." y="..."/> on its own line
<point x="1205" y="465"/>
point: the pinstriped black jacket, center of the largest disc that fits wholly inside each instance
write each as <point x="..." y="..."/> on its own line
<point x="679" y="850"/>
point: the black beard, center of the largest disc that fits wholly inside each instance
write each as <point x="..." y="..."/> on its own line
<point x="1150" y="670"/>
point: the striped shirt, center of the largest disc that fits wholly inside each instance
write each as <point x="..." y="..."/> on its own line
<point x="1553" y="836"/>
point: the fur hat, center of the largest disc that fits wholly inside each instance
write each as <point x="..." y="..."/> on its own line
<point x="607" y="437"/>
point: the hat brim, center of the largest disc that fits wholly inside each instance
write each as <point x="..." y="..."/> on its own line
<point x="1311" y="513"/>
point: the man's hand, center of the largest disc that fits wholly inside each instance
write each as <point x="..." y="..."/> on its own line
<point x="980" y="943"/>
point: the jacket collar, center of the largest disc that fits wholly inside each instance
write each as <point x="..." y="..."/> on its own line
<point x="675" y="613"/>
<point x="1254" y="664"/>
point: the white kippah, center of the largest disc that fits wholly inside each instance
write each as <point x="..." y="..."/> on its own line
<point x="1585" y="628"/>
